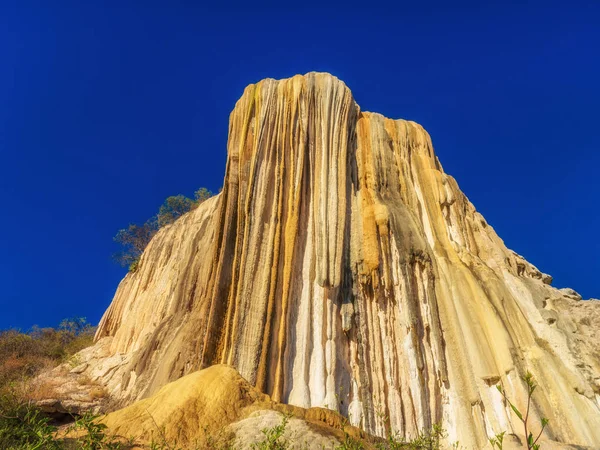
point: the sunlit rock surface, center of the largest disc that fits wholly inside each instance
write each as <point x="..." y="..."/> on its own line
<point x="217" y="408"/>
<point x="340" y="267"/>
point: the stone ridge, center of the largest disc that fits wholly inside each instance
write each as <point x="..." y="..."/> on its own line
<point x="340" y="267"/>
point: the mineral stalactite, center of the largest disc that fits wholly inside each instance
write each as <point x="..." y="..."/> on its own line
<point x="341" y="267"/>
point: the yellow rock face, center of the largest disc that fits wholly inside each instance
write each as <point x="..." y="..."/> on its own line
<point x="340" y="267"/>
<point x="216" y="408"/>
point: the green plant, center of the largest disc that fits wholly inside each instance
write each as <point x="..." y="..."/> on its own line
<point x="133" y="267"/>
<point x="429" y="439"/>
<point x="349" y="443"/>
<point x="274" y="439"/>
<point x="531" y="442"/>
<point x="201" y="195"/>
<point x="498" y="440"/>
<point x="133" y="241"/>
<point x="393" y="442"/>
<point x="173" y="208"/>
<point x="94" y="435"/>
<point x="22" y="426"/>
<point x="135" y="238"/>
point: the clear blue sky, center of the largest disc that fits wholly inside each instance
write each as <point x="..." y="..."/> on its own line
<point x="106" y="110"/>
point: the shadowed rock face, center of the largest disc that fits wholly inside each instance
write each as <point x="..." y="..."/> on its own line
<point x="340" y="267"/>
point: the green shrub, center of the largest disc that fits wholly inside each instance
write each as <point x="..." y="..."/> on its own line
<point x="22" y="426"/>
<point x="350" y="443"/>
<point x="274" y="439"/>
<point x="94" y="435"/>
<point x="133" y="241"/>
<point x="429" y="439"/>
<point x="173" y="208"/>
<point x="201" y="195"/>
<point x="133" y="267"/>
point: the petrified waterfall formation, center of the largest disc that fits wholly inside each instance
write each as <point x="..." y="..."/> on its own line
<point x="341" y="267"/>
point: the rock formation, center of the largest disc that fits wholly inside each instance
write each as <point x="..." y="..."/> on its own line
<point x="216" y="408"/>
<point x="340" y="267"/>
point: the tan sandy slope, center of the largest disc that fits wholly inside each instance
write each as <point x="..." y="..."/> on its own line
<point x="216" y="406"/>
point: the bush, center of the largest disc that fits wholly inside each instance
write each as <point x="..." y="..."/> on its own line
<point x="201" y="195"/>
<point x="93" y="436"/>
<point x="274" y="439"/>
<point x="428" y="439"/>
<point x="173" y="208"/>
<point x="135" y="238"/>
<point x="24" y="355"/>
<point x="22" y="426"/>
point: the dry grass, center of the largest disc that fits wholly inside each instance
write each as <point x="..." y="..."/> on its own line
<point x="40" y="390"/>
<point x="98" y="392"/>
<point x="25" y="355"/>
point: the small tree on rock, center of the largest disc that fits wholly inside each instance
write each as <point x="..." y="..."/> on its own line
<point x="134" y="240"/>
<point x="201" y="195"/>
<point x="173" y="208"/>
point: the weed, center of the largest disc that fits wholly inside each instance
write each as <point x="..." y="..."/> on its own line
<point x="350" y="443"/>
<point x="430" y="439"/>
<point x="274" y="439"/>
<point x="94" y="435"/>
<point x="531" y="442"/>
<point x="498" y="440"/>
<point x="22" y="426"/>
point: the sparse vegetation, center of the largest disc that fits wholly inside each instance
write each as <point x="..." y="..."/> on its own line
<point x="24" y="354"/>
<point x="22" y="426"/>
<point x="274" y="437"/>
<point x="135" y="238"/>
<point x="530" y="440"/>
<point x="350" y="443"/>
<point x="428" y="439"/>
<point x="93" y="434"/>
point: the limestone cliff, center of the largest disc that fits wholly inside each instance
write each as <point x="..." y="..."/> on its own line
<point x="340" y="267"/>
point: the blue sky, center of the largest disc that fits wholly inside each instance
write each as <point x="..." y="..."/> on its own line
<point x="107" y="108"/>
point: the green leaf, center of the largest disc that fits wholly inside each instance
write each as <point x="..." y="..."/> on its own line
<point x="544" y="422"/>
<point x="517" y="412"/>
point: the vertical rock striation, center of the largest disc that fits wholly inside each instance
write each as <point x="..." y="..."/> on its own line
<point x="341" y="267"/>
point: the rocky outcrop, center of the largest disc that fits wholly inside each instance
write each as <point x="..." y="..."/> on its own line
<point x="217" y="408"/>
<point x="342" y="268"/>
